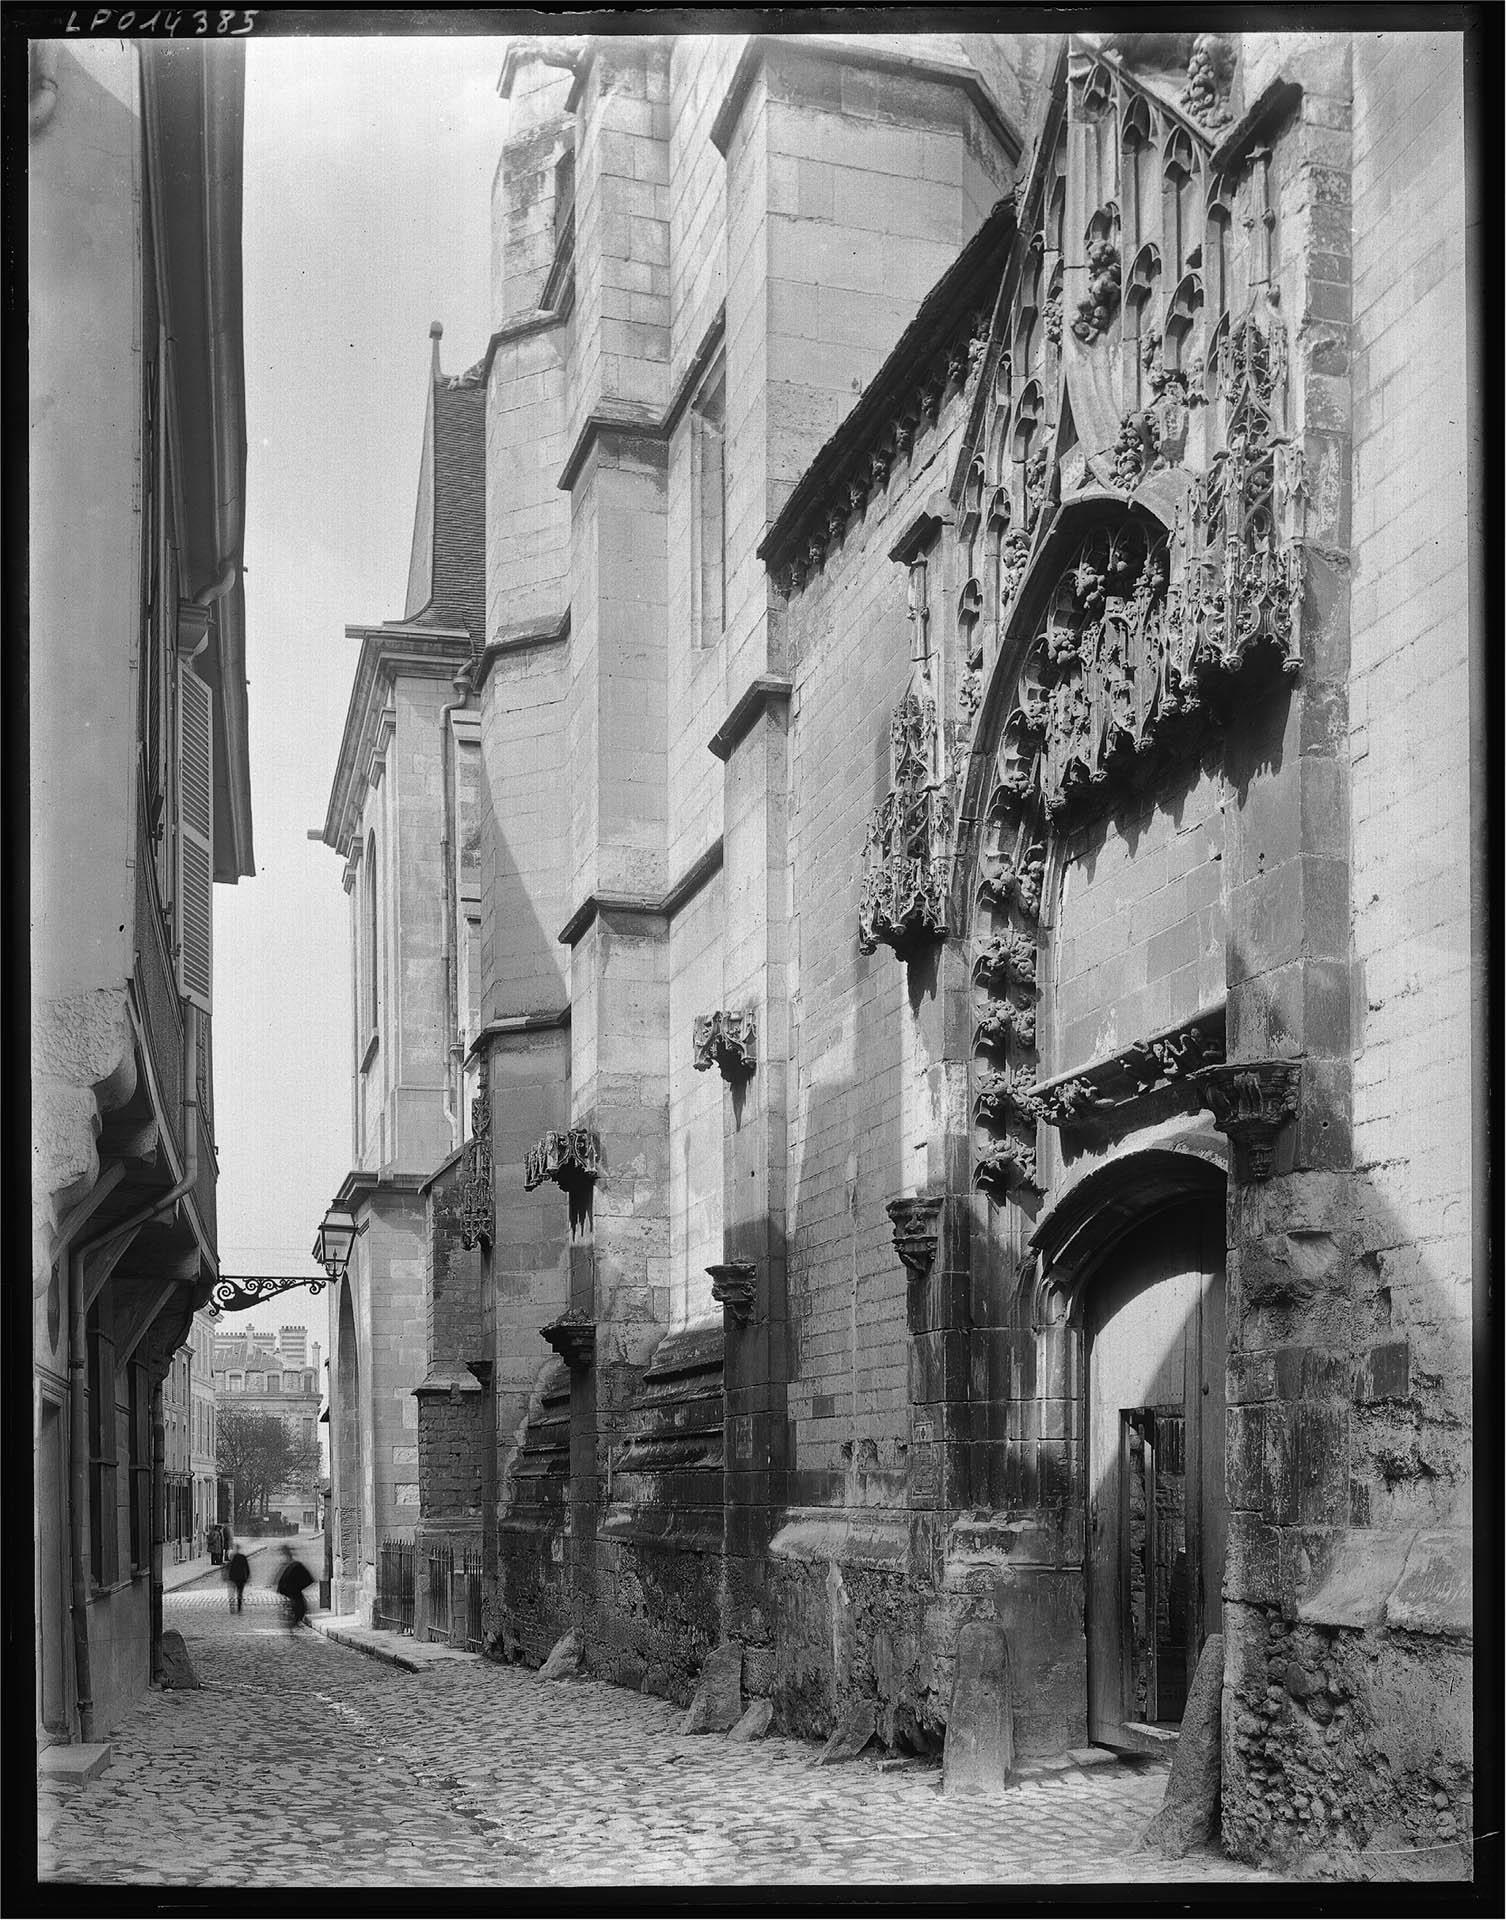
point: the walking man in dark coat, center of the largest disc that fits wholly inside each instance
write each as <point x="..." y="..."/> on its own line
<point x="291" y="1583"/>
<point x="237" y="1572"/>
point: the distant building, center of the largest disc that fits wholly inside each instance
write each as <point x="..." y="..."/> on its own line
<point x="140" y="801"/>
<point x="202" y="1429"/>
<point x="264" y="1373"/>
<point x="177" y="1456"/>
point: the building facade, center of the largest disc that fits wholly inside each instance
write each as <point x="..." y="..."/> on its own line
<point x="400" y="816"/>
<point x="261" y="1373"/>
<point x="202" y="1440"/>
<point x="958" y="1191"/>
<point x="140" y="796"/>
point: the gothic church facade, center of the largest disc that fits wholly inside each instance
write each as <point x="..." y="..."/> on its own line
<point x="962" y="1112"/>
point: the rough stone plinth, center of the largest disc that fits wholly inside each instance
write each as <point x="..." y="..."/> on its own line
<point x="1189" y="1813"/>
<point x="84" y="1760"/>
<point x="755" y="1722"/>
<point x="564" y="1657"/>
<point x="853" y="1733"/>
<point x="718" y="1702"/>
<point x="979" y="1751"/>
<point x="177" y="1668"/>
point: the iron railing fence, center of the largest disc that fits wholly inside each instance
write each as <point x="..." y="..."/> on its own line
<point x="395" y="1586"/>
<point x="441" y="1564"/>
<point x="465" y="1609"/>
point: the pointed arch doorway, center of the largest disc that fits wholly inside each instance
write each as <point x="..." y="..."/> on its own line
<point x="1157" y="1519"/>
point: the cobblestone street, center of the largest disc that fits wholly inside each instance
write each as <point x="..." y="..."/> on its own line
<point x="316" y="1764"/>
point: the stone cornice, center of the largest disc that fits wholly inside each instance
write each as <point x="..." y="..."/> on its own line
<point x="522" y="637"/>
<point x="872" y="58"/>
<point x="1275" y="103"/>
<point x="631" y="421"/>
<point x="361" y="1183"/>
<point x="766" y="690"/>
<point x="386" y="651"/>
<point x="663" y="906"/>
<point x="512" y="1024"/>
<point x="616" y="419"/>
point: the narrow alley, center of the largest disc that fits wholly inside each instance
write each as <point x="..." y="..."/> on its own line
<point x="313" y="1763"/>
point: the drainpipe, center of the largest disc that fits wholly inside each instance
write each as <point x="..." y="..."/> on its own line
<point x="78" y="1423"/>
<point x="159" y="1526"/>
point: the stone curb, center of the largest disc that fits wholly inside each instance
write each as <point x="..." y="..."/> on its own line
<point x="391" y="1647"/>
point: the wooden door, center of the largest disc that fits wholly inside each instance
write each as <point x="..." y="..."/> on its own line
<point x="1156" y="1505"/>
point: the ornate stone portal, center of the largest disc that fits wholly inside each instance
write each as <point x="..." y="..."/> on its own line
<point x="1129" y="526"/>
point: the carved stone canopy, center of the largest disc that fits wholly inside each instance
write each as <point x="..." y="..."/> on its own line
<point x="1251" y="1101"/>
<point x="573" y="1336"/>
<point x="571" y="1158"/>
<point x="734" y="1285"/>
<point x="908" y="849"/>
<point x="916" y="1218"/>
<point x="728" y="1041"/>
<point x="470" y="1214"/>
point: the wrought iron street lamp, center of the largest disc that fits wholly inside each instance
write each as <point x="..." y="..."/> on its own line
<point x="334" y="1241"/>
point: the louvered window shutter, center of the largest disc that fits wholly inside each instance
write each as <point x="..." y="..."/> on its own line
<point x="195" y="840"/>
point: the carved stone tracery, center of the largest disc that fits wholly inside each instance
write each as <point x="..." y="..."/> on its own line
<point x="1252" y="1100"/>
<point x="475" y="1215"/>
<point x="1101" y="1094"/>
<point x="916" y="1219"/>
<point x="571" y="1158"/>
<point x="908" y="849"/>
<point x="727" y="1041"/>
<point x="734" y="1286"/>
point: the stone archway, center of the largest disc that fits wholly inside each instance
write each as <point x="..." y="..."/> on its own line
<point x="1153" y="1422"/>
<point x="1130" y="1264"/>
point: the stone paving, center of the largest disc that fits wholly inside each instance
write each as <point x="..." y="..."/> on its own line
<point x="308" y="1762"/>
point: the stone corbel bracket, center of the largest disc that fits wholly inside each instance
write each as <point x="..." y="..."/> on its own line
<point x="728" y="1041"/>
<point x="573" y="1337"/>
<point x="734" y="1286"/>
<point x="1251" y="1101"/>
<point x="916" y="1219"/>
<point x="1007" y="1170"/>
<point x="572" y="1159"/>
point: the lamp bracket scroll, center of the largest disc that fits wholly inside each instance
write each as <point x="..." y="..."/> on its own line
<point x="235" y="1292"/>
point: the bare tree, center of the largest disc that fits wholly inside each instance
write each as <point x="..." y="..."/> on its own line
<point x="260" y="1455"/>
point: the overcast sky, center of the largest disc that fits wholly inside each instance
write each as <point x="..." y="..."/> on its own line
<point x="368" y="167"/>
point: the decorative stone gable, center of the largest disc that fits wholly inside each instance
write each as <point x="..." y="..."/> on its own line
<point x="909" y="844"/>
<point x="1129" y="511"/>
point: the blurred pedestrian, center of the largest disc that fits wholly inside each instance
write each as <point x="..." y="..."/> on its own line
<point x="216" y="1539"/>
<point x="237" y="1573"/>
<point x="292" y="1581"/>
